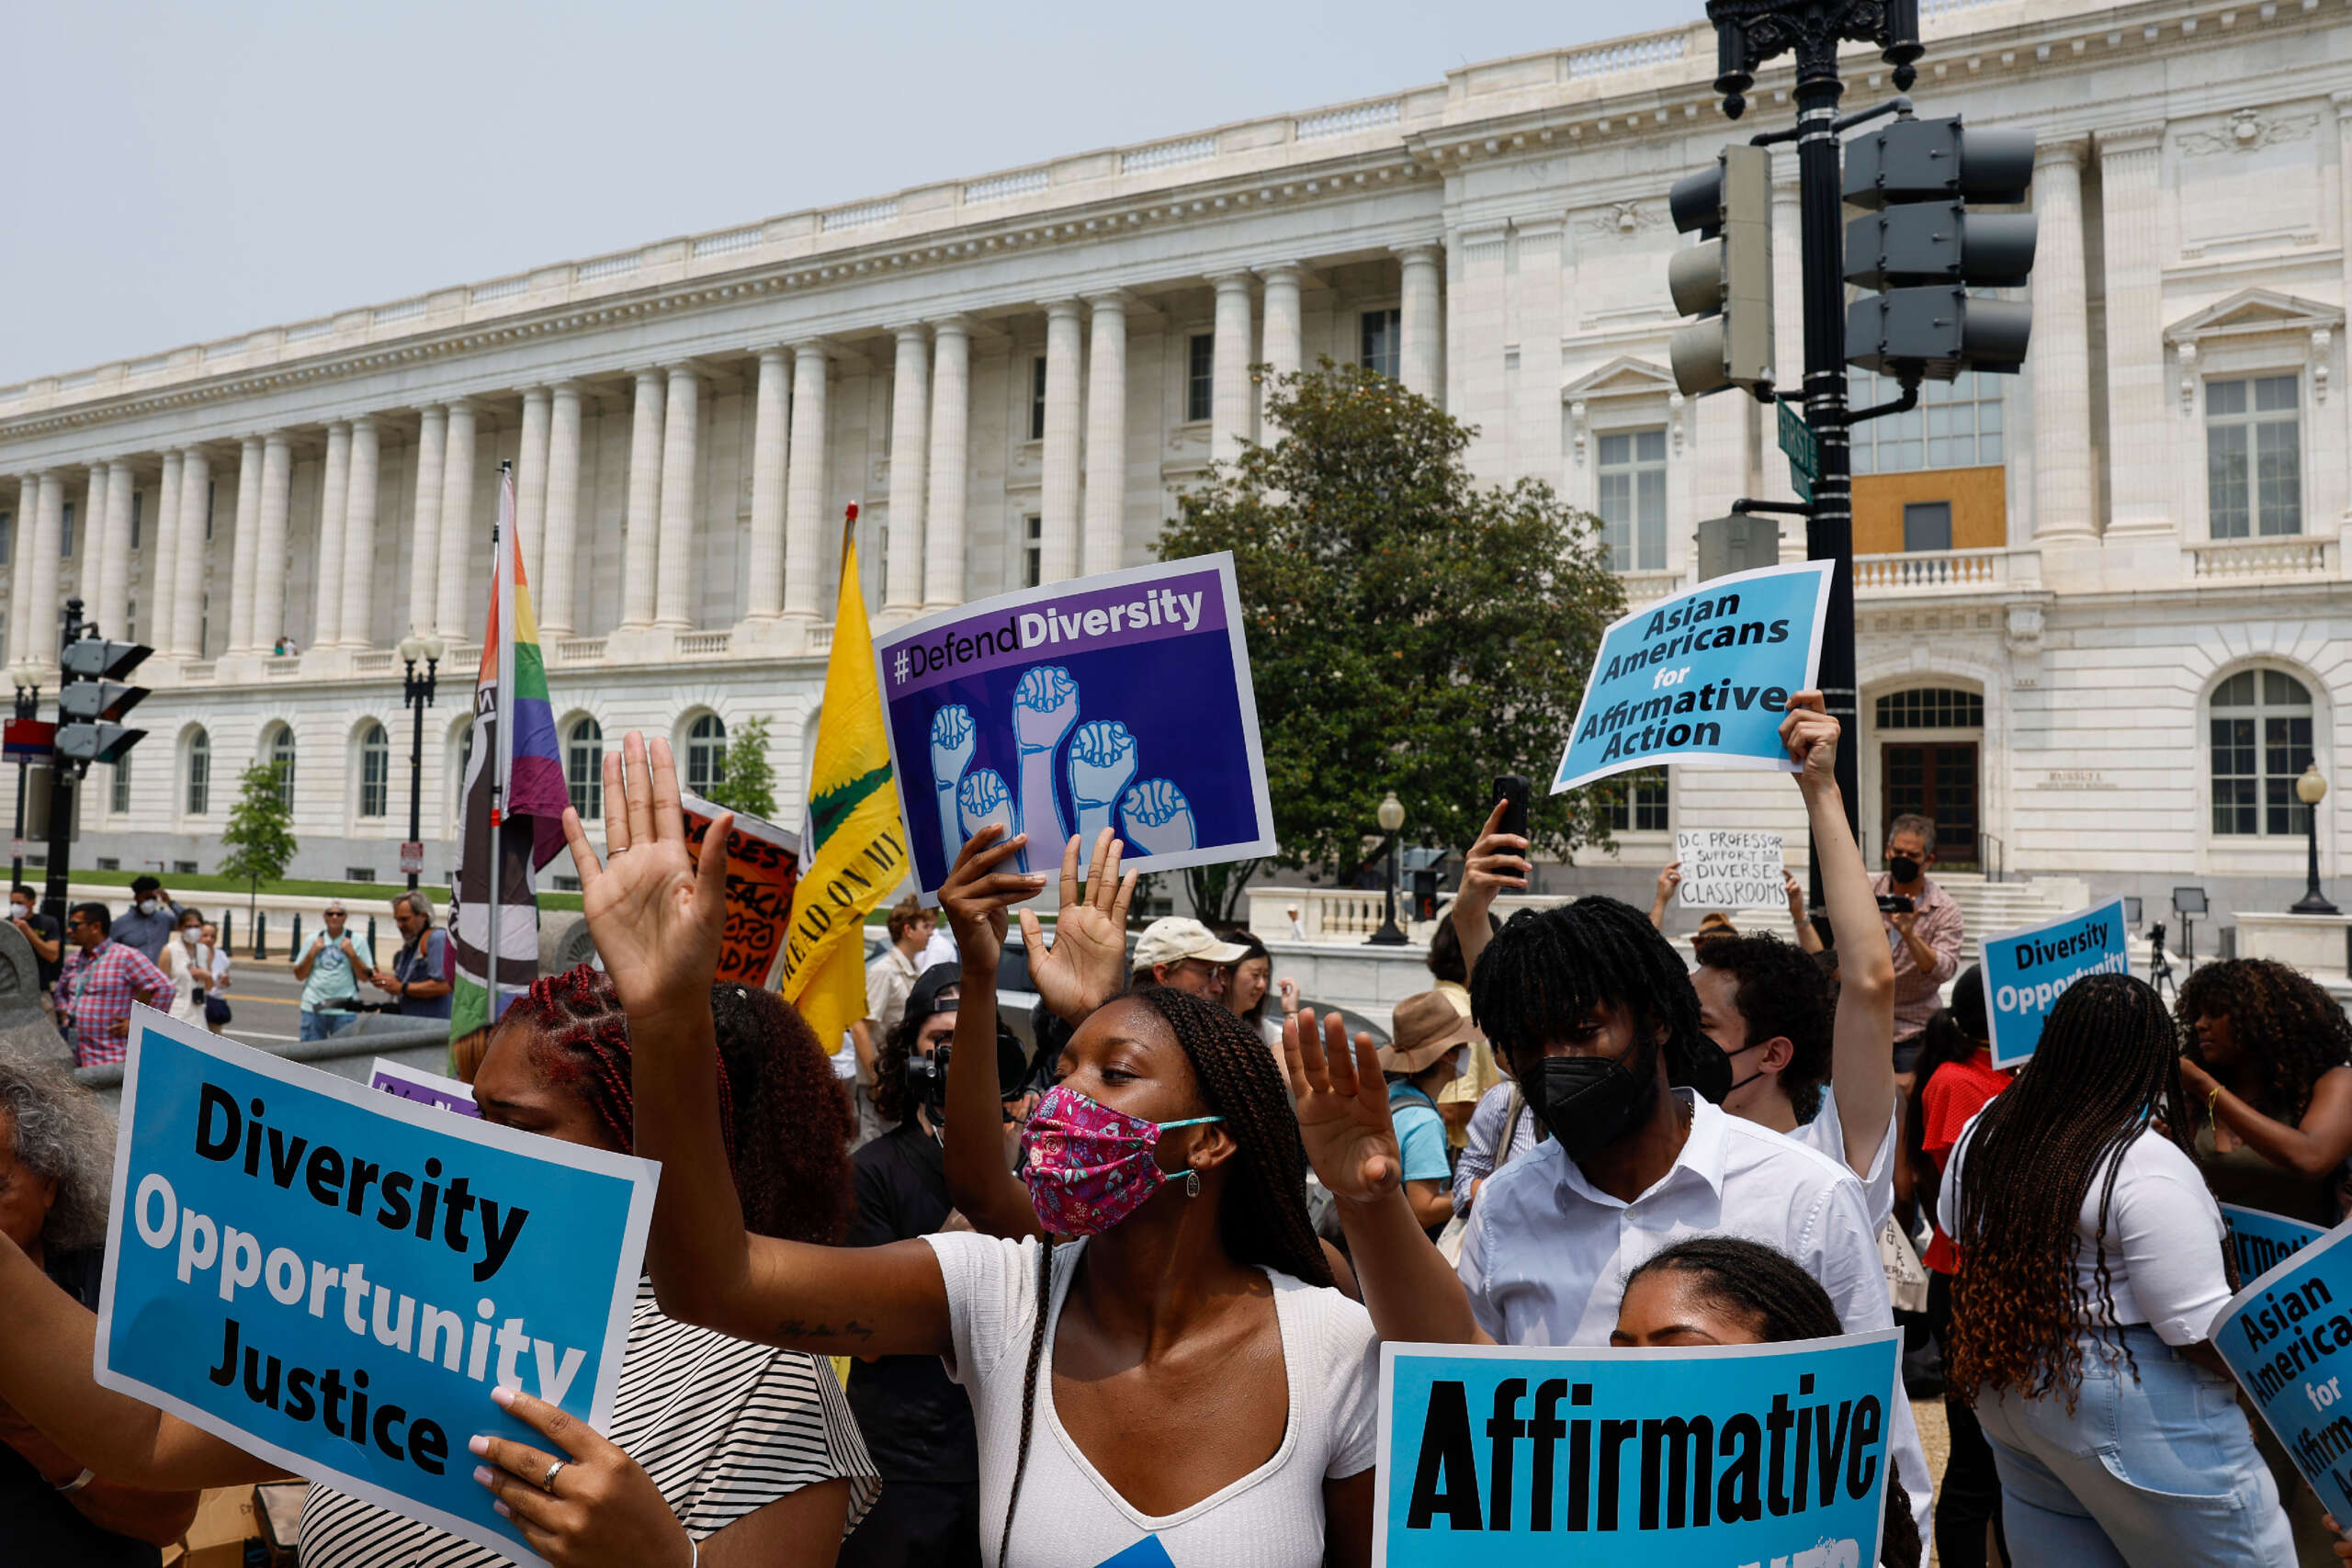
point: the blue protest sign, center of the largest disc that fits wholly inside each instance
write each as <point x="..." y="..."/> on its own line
<point x="2264" y="1240"/>
<point x="1118" y="701"/>
<point x="1701" y="678"/>
<point x="2288" y="1341"/>
<point x="2027" y="971"/>
<point x="335" y="1277"/>
<point x="1504" y="1455"/>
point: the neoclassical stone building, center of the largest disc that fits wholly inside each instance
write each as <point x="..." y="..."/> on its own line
<point x="2103" y="604"/>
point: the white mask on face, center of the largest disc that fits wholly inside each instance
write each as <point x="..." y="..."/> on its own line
<point x="148" y="906"/>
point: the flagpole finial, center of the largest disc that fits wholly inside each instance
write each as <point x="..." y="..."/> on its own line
<point x="848" y="529"/>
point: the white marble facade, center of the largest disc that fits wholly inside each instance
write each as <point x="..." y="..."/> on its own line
<point x="1018" y="373"/>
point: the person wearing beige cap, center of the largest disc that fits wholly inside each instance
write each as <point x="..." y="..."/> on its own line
<point x="1184" y="956"/>
<point x="1424" y="1056"/>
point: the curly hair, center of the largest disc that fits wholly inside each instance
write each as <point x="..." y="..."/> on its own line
<point x="65" y="1134"/>
<point x="2287" y="1031"/>
<point x="1780" y="992"/>
<point x="2108" y="1058"/>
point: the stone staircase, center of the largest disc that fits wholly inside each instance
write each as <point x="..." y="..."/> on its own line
<point x="1987" y="907"/>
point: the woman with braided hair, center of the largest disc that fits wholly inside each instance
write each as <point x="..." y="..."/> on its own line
<point x="2090" y="1274"/>
<point x="1194" y="1312"/>
<point x="2267" y="1066"/>
<point x="764" y="1464"/>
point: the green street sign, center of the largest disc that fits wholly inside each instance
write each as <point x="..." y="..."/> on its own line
<point x="1802" y="447"/>
<point x="1799" y="482"/>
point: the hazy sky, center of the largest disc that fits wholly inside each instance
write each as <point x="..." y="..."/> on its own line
<point x="183" y="173"/>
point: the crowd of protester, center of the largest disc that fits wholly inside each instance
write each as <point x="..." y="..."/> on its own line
<point x="1127" y="1270"/>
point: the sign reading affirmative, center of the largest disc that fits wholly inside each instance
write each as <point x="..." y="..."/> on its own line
<point x="1728" y="869"/>
<point x="2288" y="1339"/>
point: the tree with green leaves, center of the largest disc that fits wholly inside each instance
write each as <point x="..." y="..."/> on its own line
<point x="260" y="835"/>
<point x="749" y="785"/>
<point x="1409" y="629"/>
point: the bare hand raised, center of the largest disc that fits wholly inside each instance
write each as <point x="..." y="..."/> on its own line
<point x="1087" y="965"/>
<point x="655" y="915"/>
<point x="975" y="895"/>
<point x="1499" y="859"/>
<point x="1811" y="736"/>
<point x="1342" y="1102"/>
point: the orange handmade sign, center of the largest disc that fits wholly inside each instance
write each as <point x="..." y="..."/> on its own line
<point x="762" y="865"/>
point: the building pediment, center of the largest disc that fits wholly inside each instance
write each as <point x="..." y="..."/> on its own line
<point x="2252" y="312"/>
<point x="1623" y="376"/>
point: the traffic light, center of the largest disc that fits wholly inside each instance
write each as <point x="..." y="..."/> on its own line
<point x="1922" y="250"/>
<point x="1727" y="277"/>
<point x="91" y="702"/>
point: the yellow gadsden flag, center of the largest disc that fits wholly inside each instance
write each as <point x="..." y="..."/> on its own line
<point x="857" y="845"/>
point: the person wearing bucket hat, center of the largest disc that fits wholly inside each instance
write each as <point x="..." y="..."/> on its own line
<point x="1430" y="1040"/>
<point x="1184" y="956"/>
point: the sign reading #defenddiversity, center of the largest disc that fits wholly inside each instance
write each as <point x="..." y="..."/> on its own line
<point x="335" y="1277"/>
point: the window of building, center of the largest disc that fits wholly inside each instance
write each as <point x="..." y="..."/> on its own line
<point x="583" y="768"/>
<point x="1032" y="550"/>
<point x="706" y="754"/>
<point x="2261" y="730"/>
<point x="1638" y="803"/>
<point x="7" y="536"/>
<point x="1932" y="707"/>
<point x="280" y="752"/>
<point x="65" y="538"/>
<point x="2253" y="460"/>
<point x="118" y="796"/>
<point x="109" y="863"/>
<point x="1382" y="346"/>
<point x="1037" y="398"/>
<point x="1927" y="524"/>
<point x="375" y="771"/>
<point x="136" y="521"/>
<point x="1956" y="425"/>
<point x="211" y="487"/>
<point x="359" y="873"/>
<point x="1633" y="499"/>
<point x="203" y="622"/>
<point x="199" y="774"/>
<point x="1200" y="376"/>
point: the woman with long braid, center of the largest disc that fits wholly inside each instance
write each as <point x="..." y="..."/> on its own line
<point x="2090" y="1274"/>
<point x="1193" y="1308"/>
<point x="2269" y="1071"/>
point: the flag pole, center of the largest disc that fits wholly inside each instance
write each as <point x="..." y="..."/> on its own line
<point x="502" y="758"/>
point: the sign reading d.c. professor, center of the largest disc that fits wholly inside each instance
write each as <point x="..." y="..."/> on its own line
<point x="1701" y="678"/>
<point x="2027" y="971"/>
<point x="335" y="1277"/>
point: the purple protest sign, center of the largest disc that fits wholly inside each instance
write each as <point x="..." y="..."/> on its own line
<point x="424" y="1088"/>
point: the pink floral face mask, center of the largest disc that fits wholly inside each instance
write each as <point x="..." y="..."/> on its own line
<point x="1088" y="1166"/>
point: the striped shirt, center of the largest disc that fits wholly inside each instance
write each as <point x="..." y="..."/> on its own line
<point x="723" y="1426"/>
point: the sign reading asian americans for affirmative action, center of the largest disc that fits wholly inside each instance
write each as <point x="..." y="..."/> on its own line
<point x="335" y="1277"/>
<point x="2287" y="1338"/>
<point x="1701" y="678"/>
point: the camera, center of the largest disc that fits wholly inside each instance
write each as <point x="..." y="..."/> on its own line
<point x="1895" y="904"/>
<point x="927" y="1079"/>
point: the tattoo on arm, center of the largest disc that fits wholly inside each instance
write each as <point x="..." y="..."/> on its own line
<point x="801" y="1328"/>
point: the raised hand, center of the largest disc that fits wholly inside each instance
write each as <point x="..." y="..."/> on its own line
<point x="954" y="739"/>
<point x="1342" y="1103"/>
<point x="982" y="801"/>
<point x="1811" y="736"/>
<point x="1044" y="706"/>
<point x="1668" y="880"/>
<point x="976" y="892"/>
<point x="1158" y="818"/>
<point x="1499" y="859"/>
<point x="655" y="915"/>
<point x="1087" y="966"/>
<point x="1102" y="764"/>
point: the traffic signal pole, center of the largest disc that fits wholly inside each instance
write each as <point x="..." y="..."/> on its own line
<point x="63" y="776"/>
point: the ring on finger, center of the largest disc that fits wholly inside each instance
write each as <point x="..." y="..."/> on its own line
<point x="616" y="850"/>
<point x="547" y="1481"/>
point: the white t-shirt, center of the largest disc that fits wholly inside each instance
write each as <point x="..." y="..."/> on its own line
<point x="2164" y="1240"/>
<point x="1826" y="1134"/>
<point x="1070" y="1516"/>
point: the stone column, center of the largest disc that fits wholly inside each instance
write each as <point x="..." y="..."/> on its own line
<point x="1057" y="498"/>
<point x="2061" y="349"/>
<point x="269" y="549"/>
<point x="2138" y="433"/>
<point x="188" y="561"/>
<point x="456" y="524"/>
<point x="803" y="521"/>
<point x="531" y="487"/>
<point x="89" y="549"/>
<point x="1285" y="341"/>
<point x="114" y="565"/>
<point x="1106" y="436"/>
<point x="248" y="548"/>
<point x="424" y="543"/>
<point x="1420" y="331"/>
<point x="951" y="381"/>
<point x="359" y="585"/>
<point x="554" y="591"/>
<point x="20" y="570"/>
<point x="680" y="442"/>
<point x="910" y="422"/>
<point x="334" y="510"/>
<point x="162" y="603"/>
<point x="765" y="598"/>
<point x="639" y="583"/>
<point x="48" y="538"/>
<point x="1229" y="421"/>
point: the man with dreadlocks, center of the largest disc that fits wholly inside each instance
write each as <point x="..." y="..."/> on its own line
<point x="1195" y="1305"/>
<point x="1602" y="1026"/>
<point x="2091" y="1274"/>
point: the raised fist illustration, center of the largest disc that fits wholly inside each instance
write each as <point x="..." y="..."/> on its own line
<point x="1158" y="818"/>
<point x="982" y="799"/>
<point x="1044" y="706"/>
<point x="954" y="739"/>
<point x="1102" y="764"/>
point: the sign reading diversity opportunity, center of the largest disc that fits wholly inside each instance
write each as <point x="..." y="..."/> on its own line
<point x="421" y="1087"/>
<point x="334" y="1279"/>
<point x="2026" y="972"/>
<point x="1120" y="701"/>
<point x="762" y="865"/>
<point x="1701" y="678"/>
<point x="2288" y="1339"/>
<point x="1727" y="869"/>
<point x="1729" y="1454"/>
<point x="2263" y="1240"/>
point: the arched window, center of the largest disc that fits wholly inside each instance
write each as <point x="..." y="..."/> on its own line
<point x="706" y="754"/>
<point x="1932" y="707"/>
<point x="2261" y="734"/>
<point x="279" y="754"/>
<point x="119" y="801"/>
<point x="583" y="767"/>
<point x="375" y="771"/>
<point x="199" y="774"/>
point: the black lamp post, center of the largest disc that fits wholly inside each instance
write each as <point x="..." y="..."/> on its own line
<point x="1392" y="822"/>
<point x="416" y="692"/>
<point x="27" y="682"/>
<point x="2311" y="789"/>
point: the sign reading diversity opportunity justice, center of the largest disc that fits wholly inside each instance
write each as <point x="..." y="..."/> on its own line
<point x="335" y="1277"/>
<point x="1506" y="1456"/>
<point x="2026" y="972"/>
<point x="1727" y="869"/>
<point x="1701" y="678"/>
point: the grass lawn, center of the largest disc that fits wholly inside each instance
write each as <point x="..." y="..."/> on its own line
<point x="233" y="891"/>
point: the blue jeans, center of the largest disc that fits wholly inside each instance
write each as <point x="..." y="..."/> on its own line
<point x="2156" y="1469"/>
<point x="321" y="1025"/>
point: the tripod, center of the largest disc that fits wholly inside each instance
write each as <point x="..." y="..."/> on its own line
<point x="2159" y="967"/>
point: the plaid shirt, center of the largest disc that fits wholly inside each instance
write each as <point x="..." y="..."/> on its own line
<point x="96" y="989"/>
